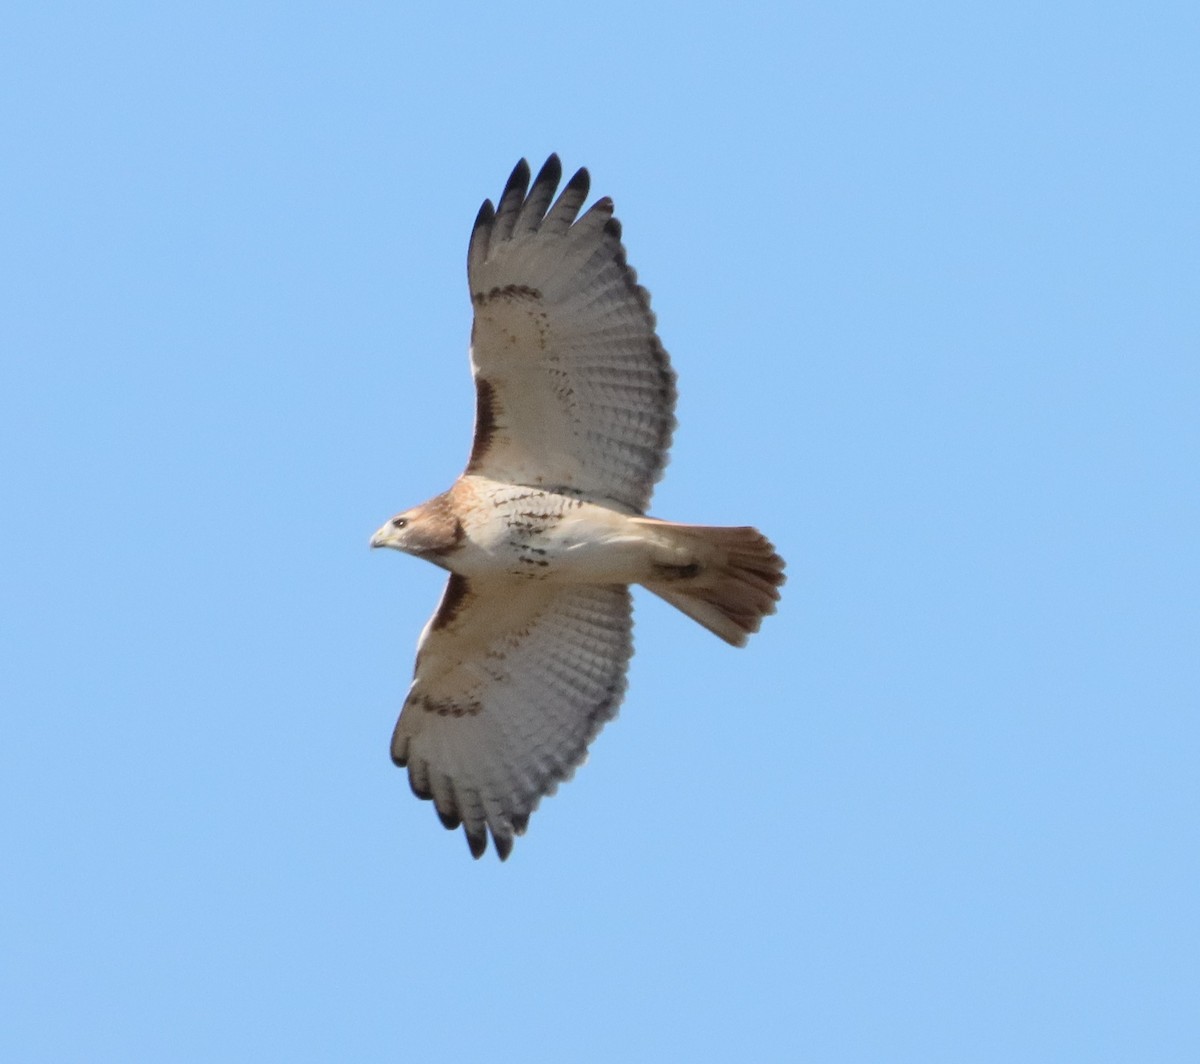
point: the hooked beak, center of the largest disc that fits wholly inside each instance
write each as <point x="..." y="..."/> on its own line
<point x="383" y="536"/>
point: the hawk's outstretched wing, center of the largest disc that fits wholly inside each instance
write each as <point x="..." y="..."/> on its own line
<point x="573" y="388"/>
<point x="512" y="683"/>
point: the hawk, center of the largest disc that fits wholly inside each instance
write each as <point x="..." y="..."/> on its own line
<point x="525" y="658"/>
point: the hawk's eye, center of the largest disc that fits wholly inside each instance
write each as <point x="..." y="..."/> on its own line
<point x="399" y="522"/>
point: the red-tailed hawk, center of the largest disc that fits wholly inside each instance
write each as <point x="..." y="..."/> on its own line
<point x="525" y="659"/>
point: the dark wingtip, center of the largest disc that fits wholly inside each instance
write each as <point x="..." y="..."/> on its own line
<point x="580" y="181"/>
<point x="477" y="841"/>
<point x="449" y="820"/>
<point x="486" y="213"/>
<point x="503" y="844"/>
<point x="519" y="178"/>
<point x="550" y="173"/>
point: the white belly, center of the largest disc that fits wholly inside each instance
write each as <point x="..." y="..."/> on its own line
<point x="524" y="533"/>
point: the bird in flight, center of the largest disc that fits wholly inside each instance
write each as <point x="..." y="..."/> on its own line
<point x="525" y="658"/>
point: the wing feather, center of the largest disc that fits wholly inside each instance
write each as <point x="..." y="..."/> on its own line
<point x="574" y="389"/>
<point x="566" y="207"/>
<point x="510" y="202"/>
<point x="481" y="236"/>
<point x="534" y="208"/>
<point x="511" y="687"/>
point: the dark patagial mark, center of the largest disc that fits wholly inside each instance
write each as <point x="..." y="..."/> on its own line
<point x="458" y="591"/>
<point x="486" y="409"/>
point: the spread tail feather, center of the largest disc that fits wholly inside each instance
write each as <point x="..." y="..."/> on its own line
<point x="731" y="582"/>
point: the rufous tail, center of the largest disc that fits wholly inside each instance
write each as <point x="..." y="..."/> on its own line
<point x="728" y="579"/>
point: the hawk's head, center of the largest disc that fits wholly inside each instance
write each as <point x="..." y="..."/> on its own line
<point x="431" y="530"/>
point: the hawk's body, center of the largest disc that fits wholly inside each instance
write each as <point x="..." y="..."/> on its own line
<point x="483" y="529"/>
<point x="525" y="658"/>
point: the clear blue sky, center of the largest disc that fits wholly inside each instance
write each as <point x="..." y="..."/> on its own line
<point x="929" y="274"/>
